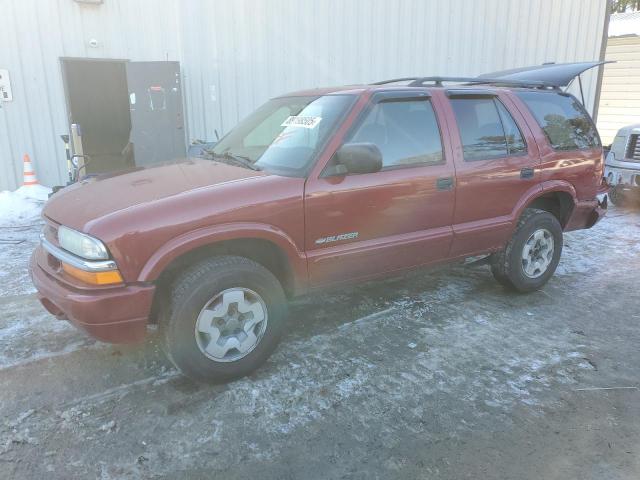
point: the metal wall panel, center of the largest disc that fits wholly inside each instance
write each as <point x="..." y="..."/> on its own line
<point x="620" y="97"/>
<point x="236" y="54"/>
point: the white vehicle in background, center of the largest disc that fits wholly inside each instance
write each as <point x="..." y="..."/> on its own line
<point x="622" y="166"/>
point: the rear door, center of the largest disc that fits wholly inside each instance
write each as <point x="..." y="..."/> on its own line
<point x="361" y="225"/>
<point x="155" y="100"/>
<point x="497" y="164"/>
<point x="570" y="148"/>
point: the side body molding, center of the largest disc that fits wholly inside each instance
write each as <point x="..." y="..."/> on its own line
<point x="230" y="231"/>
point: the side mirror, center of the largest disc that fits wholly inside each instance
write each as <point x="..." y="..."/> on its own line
<point x="357" y="158"/>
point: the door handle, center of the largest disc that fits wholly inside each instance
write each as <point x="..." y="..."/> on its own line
<point x="445" y="183"/>
<point x="526" y="173"/>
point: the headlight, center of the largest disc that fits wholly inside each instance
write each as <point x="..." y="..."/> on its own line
<point x="82" y="245"/>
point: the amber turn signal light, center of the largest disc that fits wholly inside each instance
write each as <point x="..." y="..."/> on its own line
<point x="108" y="277"/>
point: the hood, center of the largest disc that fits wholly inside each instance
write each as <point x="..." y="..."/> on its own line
<point x="620" y="141"/>
<point x="96" y="197"/>
<point x="628" y="130"/>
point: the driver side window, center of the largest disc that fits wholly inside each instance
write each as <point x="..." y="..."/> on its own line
<point x="405" y="130"/>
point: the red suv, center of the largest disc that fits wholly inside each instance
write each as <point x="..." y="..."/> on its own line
<point x="314" y="189"/>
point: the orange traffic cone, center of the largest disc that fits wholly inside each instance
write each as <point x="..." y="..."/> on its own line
<point x="29" y="175"/>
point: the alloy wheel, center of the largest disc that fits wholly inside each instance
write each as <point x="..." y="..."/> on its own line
<point x="231" y="324"/>
<point x="537" y="253"/>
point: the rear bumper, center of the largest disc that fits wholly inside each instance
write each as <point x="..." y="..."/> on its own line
<point x="587" y="214"/>
<point x="115" y="314"/>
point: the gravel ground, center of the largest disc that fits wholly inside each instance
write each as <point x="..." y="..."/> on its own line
<point x="438" y="374"/>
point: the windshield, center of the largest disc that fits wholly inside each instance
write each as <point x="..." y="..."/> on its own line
<point x="285" y="134"/>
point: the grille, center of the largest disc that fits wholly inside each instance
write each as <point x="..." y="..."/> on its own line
<point x="633" y="147"/>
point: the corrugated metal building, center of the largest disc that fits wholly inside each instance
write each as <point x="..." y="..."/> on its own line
<point x="236" y="54"/>
<point x="620" y="94"/>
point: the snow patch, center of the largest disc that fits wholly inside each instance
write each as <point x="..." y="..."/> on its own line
<point x="108" y="427"/>
<point x="21" y="418"/>
<point x="23" y="204"/>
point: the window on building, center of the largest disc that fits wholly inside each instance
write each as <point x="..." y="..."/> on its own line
<point x="487" y="129"/>
<point x="564" y="121"/>
<point x="405" y="130"/>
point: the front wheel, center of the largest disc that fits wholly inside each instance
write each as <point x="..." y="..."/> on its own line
<point x="618" y="196"/>
<point x="533" y="253"/>
<point x="225" y="317"/>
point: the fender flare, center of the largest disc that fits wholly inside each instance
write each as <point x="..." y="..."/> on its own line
<point x="189" y="241"/>
<point x="560" y="186"/>
<point x="539" y="190"/>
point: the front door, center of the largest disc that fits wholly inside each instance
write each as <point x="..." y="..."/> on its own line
<point x="497" y="162"/>
<point x="155" y="102"/>
<point x="361" y="225"/>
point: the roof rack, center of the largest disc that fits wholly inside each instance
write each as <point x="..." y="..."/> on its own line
<point x="438" y="81"/>
<point x="394" y="80"/>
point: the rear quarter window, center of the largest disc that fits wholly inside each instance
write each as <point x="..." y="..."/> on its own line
<point x="563" y="119"/>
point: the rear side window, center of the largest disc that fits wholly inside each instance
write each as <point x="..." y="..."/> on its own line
<point x="564" y="121"/>
<point x="487" y="129"/>
<point x="406" y="132"/>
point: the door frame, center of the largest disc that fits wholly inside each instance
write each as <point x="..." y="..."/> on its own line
<point x="65" y="85"/>
<point x="494" y="231"/>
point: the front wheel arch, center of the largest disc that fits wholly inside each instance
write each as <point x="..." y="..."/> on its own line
<point x="191" y="293"/>
<point x="265" y="253"/>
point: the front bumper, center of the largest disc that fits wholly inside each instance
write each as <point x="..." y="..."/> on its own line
<point x="117" y="314"/>
<point x="625" y="174"/>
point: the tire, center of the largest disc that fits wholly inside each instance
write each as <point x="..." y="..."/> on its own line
<point x="618" y="196"/>
<point x="508" y="266"/>
<point x="200" y="295"/>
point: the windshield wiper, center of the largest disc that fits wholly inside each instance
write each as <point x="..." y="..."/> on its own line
<point x="237" y="160"/>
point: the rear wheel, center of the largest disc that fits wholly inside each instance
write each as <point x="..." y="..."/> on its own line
<point x="225" y="317"/>
<point x="533" y="253"/>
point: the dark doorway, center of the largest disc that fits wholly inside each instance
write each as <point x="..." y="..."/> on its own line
<point x="130" y="113"/>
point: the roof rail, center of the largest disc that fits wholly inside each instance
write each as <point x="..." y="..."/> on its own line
<point x="438" y="81"/>
<point x="394" y="80"/>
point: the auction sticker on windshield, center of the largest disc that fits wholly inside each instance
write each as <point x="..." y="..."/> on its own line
<point x="303" y="122"/>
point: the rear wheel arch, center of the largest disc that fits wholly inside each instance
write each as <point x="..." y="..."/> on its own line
<point x="559" y="203"/>
<point x="509" y="264"/>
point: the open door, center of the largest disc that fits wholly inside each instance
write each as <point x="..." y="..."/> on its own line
<point x="155" y="101"/>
